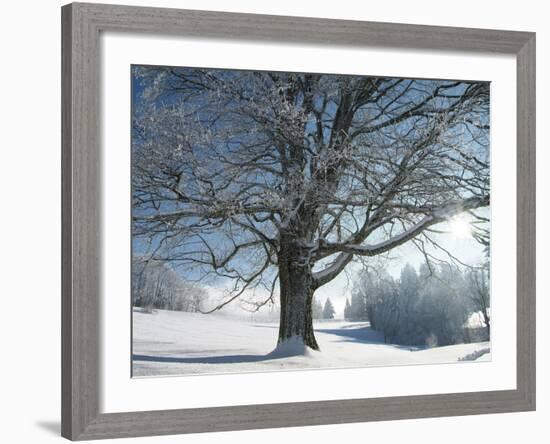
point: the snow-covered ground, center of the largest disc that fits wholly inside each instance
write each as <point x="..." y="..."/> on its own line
<point x="177" y="343"/>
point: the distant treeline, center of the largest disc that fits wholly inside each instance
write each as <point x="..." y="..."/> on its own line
<point x="155" y="284"/>
<point x="432" y="306"/>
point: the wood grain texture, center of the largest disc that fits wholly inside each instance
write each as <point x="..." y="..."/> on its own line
<point x="119" y="425"/>
<point x="526" y="221"/>
<point x="81" y="230"/>
<point x="165" y="21"/>
<point x="81" y="222"/>
<point x="66" y="223"/>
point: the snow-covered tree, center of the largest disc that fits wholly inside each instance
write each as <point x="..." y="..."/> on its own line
<point x="328" y="310"/>
<point x="432" y="308"/>
<point x="156" y="285"/>
<point x="279" y="180"/>
<point x="317" y="309"/>
<point x="347" y="310"/>
<point x="478" y="287"/>
<point x="358" y="306"/>
<point x="409" y="286"/>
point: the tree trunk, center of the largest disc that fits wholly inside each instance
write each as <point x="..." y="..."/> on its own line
<point x="487" y="323"/>
<point x="296" y="294"/>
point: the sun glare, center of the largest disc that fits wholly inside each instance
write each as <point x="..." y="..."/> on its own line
<point x="460" y="227"/>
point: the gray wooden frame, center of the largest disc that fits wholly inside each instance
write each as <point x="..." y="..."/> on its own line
<point x="81" y="233"/>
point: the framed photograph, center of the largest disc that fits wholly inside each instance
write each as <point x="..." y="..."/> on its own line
<point x="278" y="221"/>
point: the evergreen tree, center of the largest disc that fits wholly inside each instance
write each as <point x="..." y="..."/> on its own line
<point x="328" y="311"/>
<point x="316" y="309"/>
<point x="428" y="307"/>
<point x="409" y="286"/>
<point x="347" y="310"/>
<point x="358" y="307"/>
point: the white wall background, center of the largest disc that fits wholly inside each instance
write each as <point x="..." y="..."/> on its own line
<point x="30" y="221"/>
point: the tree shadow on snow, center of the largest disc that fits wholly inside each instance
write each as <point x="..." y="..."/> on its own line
<point x="223" y="359"/>
<point x="359" y="332"/>
<point x="364" y="334"/>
